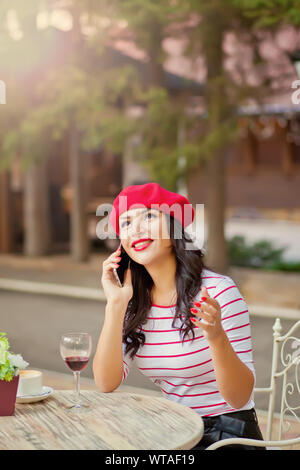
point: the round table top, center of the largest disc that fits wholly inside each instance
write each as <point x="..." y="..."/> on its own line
<point x="113" y="421"/>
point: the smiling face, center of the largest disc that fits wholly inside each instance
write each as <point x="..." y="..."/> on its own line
<point x="145" y="223"/>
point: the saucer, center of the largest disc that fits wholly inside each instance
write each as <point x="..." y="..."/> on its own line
<point x="47" y="391"/>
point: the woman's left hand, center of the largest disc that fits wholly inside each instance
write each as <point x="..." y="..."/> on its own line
<point x="208" y="311"/>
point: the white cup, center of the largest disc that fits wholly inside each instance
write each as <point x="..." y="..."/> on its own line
<point x="30" y="383"/>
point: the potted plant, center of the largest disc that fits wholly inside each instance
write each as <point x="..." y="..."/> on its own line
<point x="10" y="364"/>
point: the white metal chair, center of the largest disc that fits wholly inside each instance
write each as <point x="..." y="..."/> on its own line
<point x="285" y="361"/>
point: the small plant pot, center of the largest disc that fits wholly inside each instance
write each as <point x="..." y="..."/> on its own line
<point x="8" y="395"/>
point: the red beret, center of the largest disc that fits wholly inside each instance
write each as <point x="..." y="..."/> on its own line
<point x="154" y="196"/>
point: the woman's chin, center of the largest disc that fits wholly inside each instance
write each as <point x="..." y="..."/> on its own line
<point x="143" y="258"/>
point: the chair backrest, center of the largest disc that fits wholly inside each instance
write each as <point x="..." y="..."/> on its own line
<point x="285" y="366"/>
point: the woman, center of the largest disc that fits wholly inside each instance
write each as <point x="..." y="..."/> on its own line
<point x="186" y="326"/>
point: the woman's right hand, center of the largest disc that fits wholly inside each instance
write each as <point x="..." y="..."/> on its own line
<point x="114" y="293"/>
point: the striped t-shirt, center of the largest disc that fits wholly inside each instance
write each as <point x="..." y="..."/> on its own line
<point x="184" y="371"/>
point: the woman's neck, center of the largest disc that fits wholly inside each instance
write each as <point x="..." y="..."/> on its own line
<point x="166" y="299"/>
<point x="163" y="275"/>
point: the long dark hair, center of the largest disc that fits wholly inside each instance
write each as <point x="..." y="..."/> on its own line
<point x="188" y="277"/>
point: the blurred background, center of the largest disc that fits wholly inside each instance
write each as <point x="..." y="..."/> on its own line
<point x="97" y="95"/>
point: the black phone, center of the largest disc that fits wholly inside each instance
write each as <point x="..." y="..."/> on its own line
<point x="123" y="265"/>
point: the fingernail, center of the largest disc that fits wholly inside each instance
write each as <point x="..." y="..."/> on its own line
<point x="117" y="265"/>
<point x="193" y="320"/>
<point x="203" y="298"/>
<point x="193" y="310"/>
<point x="198" y="304"/>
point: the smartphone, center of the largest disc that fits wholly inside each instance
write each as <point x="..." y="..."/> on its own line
<point x="124" y="263"/>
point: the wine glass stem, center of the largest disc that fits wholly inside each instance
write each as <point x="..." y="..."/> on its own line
<point x="77" y="387"/>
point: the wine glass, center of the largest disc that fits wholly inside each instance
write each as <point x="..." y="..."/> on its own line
<point x="75" y="349"/>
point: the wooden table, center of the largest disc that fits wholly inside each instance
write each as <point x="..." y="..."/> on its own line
<point x="115" y="421"/>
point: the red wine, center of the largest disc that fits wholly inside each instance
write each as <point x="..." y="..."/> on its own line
<point x="77" y="363"/>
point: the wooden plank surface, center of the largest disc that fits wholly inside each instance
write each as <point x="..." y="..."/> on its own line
<point x="115" y="421"/>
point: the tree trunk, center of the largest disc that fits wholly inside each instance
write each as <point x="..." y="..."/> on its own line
<point x="36" y="211"/>
<point x="216" y="256"/>
<point x="6" y="233"/>
<point x="182" y="182"/>
<point x="79" y="231"/>
<point x="155" y="52"/>
<point x="212" y="40"/>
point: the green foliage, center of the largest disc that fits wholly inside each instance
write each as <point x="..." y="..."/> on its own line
<point x="145" y="17"/>
<point x="158" y="128"/>
<point x="4" y="344"/>
<point x="260" y="254"/>
<point x="104" y="118"/>
<point x="270" y="13"/>
<point x="10" y="363"/>
<point x="161" y="147"/>
<point x="6" y="368"/>
<point x="97" y="98"/>
<point x="285" y="266"/>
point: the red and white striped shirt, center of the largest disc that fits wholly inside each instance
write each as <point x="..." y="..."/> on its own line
<point x="184" y="371"/>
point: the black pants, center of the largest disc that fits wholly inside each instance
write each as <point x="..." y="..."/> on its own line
<point x="236" y="424"/>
